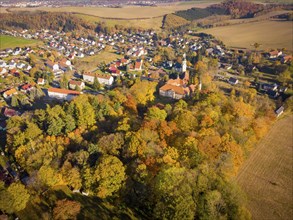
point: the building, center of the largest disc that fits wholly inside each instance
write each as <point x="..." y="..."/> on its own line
<point x="8" y="94"/>
<point x="233" y="81"/>
<point x="73" y="84"/>
<point x="181" y="68"/>
<point x="41" y="81"/>
<point x="104" y="79"/>
<point x="63" y="94"/>
<point x="177" y="88"/>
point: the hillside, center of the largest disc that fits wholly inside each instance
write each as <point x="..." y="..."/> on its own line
<point x="173" y="21"/>
<point x="43" y="20"/>
<point x="266" y="176"/>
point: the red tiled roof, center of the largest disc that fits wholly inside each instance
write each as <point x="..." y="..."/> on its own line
<point x="176" y="89"/>
<point x="63" y="91"/>
<point x="73" y="82"/>
<point x="10" y="92"/>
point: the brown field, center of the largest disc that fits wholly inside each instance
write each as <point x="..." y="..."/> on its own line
<point x="266" y="176"/>
<point x="130" y="12"/>
<point x="271" y="34"/>
<point x="151" y="23"/>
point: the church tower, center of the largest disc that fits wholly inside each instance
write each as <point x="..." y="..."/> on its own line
<point x="184" y="63"/>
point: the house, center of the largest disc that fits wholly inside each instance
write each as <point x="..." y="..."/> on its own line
<point x="273" y="94"/>
<point x="105" y="79"/>
<point x="8" y="94"/>
<point x="41" y="81"/>
<point x="233" y="81"/>
<point x="63" y="94"/>
<point x="267" y="87"/>
<point x="8" y="112"/>
<point x="27" y="88"/>
<point x="73" y="84"/>
<point x="174" y="91"/>
<point x="280" y="111"/>
<point x="138" y="65"/>
<point x="286" y="59"/>
<point x="274" y="54"/>
<point x="52" y="66"/>
<point x="2" y="71"/>
<point x="177" y="88"/>
<point x="181" y="68"/>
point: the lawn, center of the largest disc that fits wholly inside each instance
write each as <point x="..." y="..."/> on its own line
<point x="270" y="34"/>
<point x="266" y="176"/>
<point x="12" y="42"/>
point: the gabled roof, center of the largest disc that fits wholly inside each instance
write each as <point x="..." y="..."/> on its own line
<point x="77" y="83"/>
<point x="10" y="92"/>
<point x="63" y="91"/>
<point x="176" y="89"/>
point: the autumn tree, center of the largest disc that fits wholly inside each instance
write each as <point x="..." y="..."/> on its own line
<point x="110" y="175"/>
<point x="66" y="209"/>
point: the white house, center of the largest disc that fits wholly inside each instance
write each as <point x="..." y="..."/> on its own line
<point x="105" y="79"/>
<point x="63" y="94"/>
<point x="53" y="66"/>
<point x="73" y="84"/>
<point x="41" y="81"/>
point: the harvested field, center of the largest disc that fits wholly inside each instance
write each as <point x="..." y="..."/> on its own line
<point x="129" y="12"/>
<point x="266" y="176"/>
<point x="151" y="23"/>
<point x="271" y="34"/>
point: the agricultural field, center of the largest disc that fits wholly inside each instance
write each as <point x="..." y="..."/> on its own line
<point x="266" y="176"/>
<point x="271" y="34"/>
<point x="150" y="23"/>
<point x="11" y="42"/>
<point x="129" y="12"/>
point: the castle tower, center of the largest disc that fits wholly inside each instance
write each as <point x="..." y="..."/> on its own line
<point x="184" y="63"/>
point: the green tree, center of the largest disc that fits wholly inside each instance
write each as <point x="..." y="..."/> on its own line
<point x="14" y="101"/>
<point x="96" y="84"/>
<point x="156" y="113"/>
<point x="14" y="199"/>
<point x="110" y="175"/>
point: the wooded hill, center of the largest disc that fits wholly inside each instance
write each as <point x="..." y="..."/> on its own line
<point x="43" y="20"/>
<point x="235" y="8"/>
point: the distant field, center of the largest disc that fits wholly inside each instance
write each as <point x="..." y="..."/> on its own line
<point x="266" y="176"/>
<point x="151" y="23"/>
<point x="130" y="12"/>
<point x="271" y="34"/>
<point x="11" y="42"/>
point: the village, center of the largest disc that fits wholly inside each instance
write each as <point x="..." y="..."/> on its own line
<point x="47" y="72"/>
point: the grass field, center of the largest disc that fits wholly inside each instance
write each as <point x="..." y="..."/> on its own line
<point x="11" y="42"/>
<point x="90" y="63"/>
<point x="271" y="34"/>
<point x="266" y="176"/>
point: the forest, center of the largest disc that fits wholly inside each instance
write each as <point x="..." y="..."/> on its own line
<point x="43" y="20"/>
<point x="134" y="150"/>
<point x="234" y="8"/>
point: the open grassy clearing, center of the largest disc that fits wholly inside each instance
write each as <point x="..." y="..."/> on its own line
<point x="266" y="176"/>
<point x="91" y="62"/>
<point x="271" y="34"/>
<point x="11" y="42"/>
<point x="151" y="23"/>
